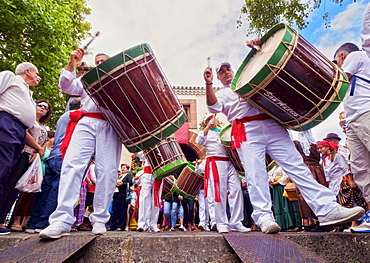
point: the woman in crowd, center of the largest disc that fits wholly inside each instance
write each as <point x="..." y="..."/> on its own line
<point x="23" y="208"/>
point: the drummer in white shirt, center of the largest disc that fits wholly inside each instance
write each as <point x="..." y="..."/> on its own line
<point x="226" y="178"/>
<point x="254" y="135"/>
<point x="356" y="105"/>
<point x="92" y="134"/>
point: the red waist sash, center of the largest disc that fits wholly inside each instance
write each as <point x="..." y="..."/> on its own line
<point x="212" y="161"/>
<point x="75" y="117"/>
<point x="238" y="134"/>
<point x="147" y="170"/>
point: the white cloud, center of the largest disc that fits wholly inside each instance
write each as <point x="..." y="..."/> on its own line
<point x="349" y="18"/>
<point x="183" y="34"/>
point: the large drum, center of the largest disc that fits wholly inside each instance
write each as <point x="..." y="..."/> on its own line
<point x="135" y="97"/>
<point x="189" y="182"/>
<point x="166" y="157"/>
<point x="168" y="186"/>
<point x="225" y="136"/>
<point x="290" y="80"/>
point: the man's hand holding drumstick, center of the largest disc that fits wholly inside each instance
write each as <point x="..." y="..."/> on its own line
<point x="255" y="43"/>
<point x="210" y="94"/>
<point x="75" y="58"/>
<point x="78" y="54"/>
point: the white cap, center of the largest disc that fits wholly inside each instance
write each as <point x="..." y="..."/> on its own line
<point x="222" y="64"/>
<point x="207" y="116"/>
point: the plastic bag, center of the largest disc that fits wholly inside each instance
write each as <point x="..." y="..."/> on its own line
<point x="31" y="180"/>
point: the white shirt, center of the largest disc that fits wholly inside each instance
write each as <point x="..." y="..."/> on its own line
<point x="212" y="143"/>
<point x="16" y="98"/>
<point x="365" y="31"/>
<point x="145" y="178"/>
<point x="334" y="171"/>
<point x="277" y="175"/>
<point x="234" y="107"/>
<point x="71" y="85"/>
<point x="357" y="63"/>
<point x="199" y="168"/>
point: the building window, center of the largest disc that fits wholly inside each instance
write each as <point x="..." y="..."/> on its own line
<point x="190" y="107"/>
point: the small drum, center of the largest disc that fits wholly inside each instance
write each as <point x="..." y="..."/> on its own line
<point x="290" y="80"/>
<point x="166" y="157"/>
<point x="168" y="186"/>
<point x="135" y="97"/>
<point x="225" y="136"/>
<point x="189" y="182"/>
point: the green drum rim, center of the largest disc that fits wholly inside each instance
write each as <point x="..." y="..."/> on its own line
<point x="226" y="143"/>
<point x="182" y="193"/>
<point x="270" y="166"/>
<point x="170" y="169"/>
<point x="329" y="110"/>
<point x="274" y="60"/>
<point x="118" y="60"/>
<point x="142" y="145"/>
<point x="191" y="166"/>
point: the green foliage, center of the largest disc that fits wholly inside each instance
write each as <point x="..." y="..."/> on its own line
<point x="43" y="32"/>
<point x="264" y="14"/>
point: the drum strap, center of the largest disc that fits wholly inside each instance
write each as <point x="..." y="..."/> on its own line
<point x="75" y="116"/>
<point x="212" y="161"/>
<point x="238" y="134"/>
<point x="353" y="83"/>
<point x="136" y="202"/>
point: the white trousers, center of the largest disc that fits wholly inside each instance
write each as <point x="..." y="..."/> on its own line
<point x="229" y="180"/>
<point x="148" y="212"/>
<point x="203" y="209"/>
<point x="90" y="134"/>
<point x="358" y="132"/>
<point x="269" y="136"/>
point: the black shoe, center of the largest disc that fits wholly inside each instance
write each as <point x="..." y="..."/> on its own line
<point x="4" y="231"/>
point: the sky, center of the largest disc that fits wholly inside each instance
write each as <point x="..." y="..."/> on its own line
<point x="183" y="36"/>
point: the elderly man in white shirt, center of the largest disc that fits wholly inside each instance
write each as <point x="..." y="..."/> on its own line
<point x="17" y="113"/>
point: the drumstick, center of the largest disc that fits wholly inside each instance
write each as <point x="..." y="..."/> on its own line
<point x="209" y="64"/>
<point x="88" y="44"/>
<point x="255" y="46"/>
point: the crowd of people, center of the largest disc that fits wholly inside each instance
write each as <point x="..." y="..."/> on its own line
<point x="82" y="190"/>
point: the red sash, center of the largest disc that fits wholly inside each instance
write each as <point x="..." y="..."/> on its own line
<point x="238" y="134"/>
<point x="156" y="187"/>
<point x="134" y="214"/>
<point x="75" y="117"/>
<point x="212" y="161"/>
<point x="147" y="170"/>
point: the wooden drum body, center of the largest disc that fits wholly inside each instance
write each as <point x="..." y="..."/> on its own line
<point x="290" y="80"/>
<point x="225" y="136"/>
<point x="135" y="97"/>
<point x="189" y="182"/>
<point x="166" y="157"/>
<point x="168" y="186"/>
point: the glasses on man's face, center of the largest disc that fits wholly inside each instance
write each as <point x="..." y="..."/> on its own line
<point x="45" y="107"/>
